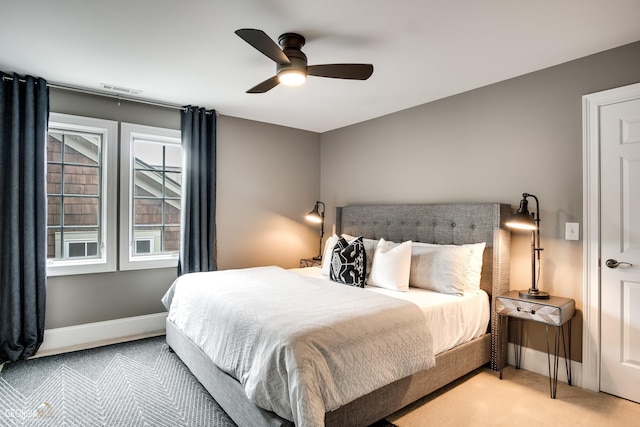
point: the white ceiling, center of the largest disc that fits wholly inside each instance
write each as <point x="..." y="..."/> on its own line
<point x="185" y="51"/>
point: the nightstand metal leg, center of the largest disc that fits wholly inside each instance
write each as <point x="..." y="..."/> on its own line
<point x="503" y="340"/>
<point x="553" y="376"/>
<point x="566" y="347"/>
<point x="518" y="333"/>
<point x="551" y="381"/>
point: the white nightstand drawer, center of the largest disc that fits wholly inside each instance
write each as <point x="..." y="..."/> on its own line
<point x="554" y="311"/>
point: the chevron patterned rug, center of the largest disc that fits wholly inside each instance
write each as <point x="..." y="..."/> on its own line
<point x="141" y="383"/>
<point x="138" y="383"/>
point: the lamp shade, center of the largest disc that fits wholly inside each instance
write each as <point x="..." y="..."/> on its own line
<point x="314" y="215"/>
<point x="522" y="220"/>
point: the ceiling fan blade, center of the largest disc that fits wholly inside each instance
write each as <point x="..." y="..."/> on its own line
<point x="263" y="43"/>
<point x="341" y="71"/>
<point x="265" y="86"/>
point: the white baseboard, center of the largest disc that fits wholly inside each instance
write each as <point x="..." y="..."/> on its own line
<point x="536" y="361"/>
<point x="89" y="335"/>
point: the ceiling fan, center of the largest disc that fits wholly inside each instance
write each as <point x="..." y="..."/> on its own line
<point x="292" y="68"/>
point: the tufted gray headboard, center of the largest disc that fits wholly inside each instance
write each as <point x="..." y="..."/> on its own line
<point x="447" y="224"/>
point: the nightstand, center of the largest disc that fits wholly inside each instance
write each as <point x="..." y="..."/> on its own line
<point x="310" y="262"/>
<point x="553" y="312"/>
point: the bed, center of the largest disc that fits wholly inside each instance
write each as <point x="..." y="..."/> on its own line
<point x="444" y="224"/>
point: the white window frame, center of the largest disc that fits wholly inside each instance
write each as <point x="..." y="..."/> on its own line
<point x="129" y="131"/>
<point x="108" y="259"/>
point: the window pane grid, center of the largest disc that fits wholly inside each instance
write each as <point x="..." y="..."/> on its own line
<point x="148" y="226"/>
<point x="172" y="199"/>
<point x="155" y="195"/>
<point x="89" y="227"/>
<point x="75" y="196"/>
<point x="74" y="171"/>
<point x="53" y="162"/>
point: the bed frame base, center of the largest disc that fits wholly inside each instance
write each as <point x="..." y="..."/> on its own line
<point x="225" y="389"/>
<point x="363" y="411"/>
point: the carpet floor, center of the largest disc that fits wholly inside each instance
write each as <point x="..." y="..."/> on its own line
<point x="138" y="383"/>
<point x="521" y="398"/>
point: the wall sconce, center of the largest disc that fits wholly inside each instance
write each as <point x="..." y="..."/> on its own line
<point x="523" y="220"/>
<point x="317" y="216"/>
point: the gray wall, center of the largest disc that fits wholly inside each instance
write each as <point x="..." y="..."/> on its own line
<point x="491" y="144"/>
<point x="268" y="179"/>
<point x="488" y="145"/>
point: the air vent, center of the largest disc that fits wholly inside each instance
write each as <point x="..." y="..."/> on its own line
<point x="120" y="89"/>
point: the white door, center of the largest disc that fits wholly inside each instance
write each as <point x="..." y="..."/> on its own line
<point x="620" y="243"/>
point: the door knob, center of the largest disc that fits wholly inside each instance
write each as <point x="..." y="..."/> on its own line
<point x="612" y="263"/>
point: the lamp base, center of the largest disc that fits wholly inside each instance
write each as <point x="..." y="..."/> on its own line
<point x="534" y="294"/>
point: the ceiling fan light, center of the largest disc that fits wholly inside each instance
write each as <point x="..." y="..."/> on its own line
<point x="292" y="77"/>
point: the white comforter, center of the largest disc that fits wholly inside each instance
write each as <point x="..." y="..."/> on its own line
<point x="300" y="346"/>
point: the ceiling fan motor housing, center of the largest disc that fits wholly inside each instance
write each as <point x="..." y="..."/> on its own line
<point x="291" y="44"/>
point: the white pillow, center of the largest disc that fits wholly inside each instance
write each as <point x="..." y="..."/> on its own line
<point x="475" y="265"/>
<point x="440" y="268"/>
<point x="326" y="255"/>
<point x="391" y="266"/>
<point x="474" y="270"/>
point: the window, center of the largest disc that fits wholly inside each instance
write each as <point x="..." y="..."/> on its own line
<point x="150" y="196"/>
<point x="81" y="195"/>
<point x="82" y="222"/>
<point x="81" y="249"/>
<point x="143" y="246"/>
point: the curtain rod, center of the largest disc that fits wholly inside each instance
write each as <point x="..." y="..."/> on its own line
<point x="109" y="95"/>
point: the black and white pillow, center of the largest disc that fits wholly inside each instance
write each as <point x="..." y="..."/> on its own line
<point x="349" y="262"/>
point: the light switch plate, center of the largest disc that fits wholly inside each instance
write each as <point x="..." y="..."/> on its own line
<point x="572" y="231"/>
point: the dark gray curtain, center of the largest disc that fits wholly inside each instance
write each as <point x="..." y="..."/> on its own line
<point x="24" y="113"/>
<point x="198" y="237"/>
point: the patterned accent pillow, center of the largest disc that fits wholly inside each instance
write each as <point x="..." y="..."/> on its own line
<point x="349" y="262"/>
<point x="370" y="246"/>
